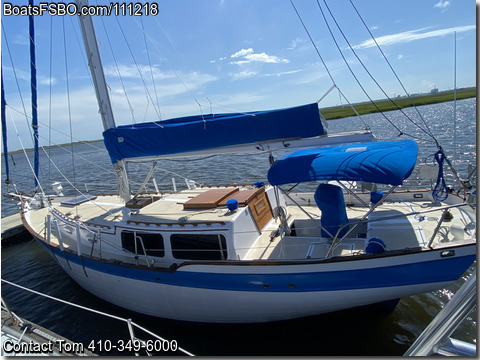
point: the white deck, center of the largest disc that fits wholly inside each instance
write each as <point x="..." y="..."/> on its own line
<point x="398" y="232"/>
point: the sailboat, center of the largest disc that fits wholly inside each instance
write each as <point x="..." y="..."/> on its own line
<point x="255" y="252"/>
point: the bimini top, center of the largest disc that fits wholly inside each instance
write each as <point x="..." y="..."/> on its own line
<point x="388" y="162"/>
<point x="200" y="132"/>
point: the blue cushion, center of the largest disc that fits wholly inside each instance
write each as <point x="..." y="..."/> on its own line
<point x="329" y="199"/>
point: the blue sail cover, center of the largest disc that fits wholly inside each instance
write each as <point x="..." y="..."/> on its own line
<point x="200" y="132"/>
<point x="388" y="162"/>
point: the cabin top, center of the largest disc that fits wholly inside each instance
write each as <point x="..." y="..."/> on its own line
<point x="194" y="206"/>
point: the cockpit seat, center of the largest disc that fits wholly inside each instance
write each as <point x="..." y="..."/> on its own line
<point x="330" y="200"/>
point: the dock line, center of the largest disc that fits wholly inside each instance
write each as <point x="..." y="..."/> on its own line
<point x="130" y="324"/>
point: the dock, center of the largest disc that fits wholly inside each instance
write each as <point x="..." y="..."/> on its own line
<point x="24" y="338"/>
<point x="13" y="230"/>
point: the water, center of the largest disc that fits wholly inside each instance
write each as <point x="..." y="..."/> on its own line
<point x="366" y="331"/>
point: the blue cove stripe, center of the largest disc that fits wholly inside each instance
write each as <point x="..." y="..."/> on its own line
<point x="441" y="270"/>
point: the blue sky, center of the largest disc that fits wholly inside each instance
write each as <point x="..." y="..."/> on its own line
<point x="232" y="55"/>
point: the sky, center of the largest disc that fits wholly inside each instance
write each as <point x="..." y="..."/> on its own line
<point x="198" y="57"/>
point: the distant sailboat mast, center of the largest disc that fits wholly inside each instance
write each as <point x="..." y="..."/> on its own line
<point x="455" y="98"/>
<point x="96" y="69"/>
<point x="33" y="85"/>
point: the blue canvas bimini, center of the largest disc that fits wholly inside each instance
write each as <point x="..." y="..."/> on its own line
<point x="388" y="162"/>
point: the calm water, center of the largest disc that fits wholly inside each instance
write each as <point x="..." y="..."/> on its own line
<point x="366" y="331"/>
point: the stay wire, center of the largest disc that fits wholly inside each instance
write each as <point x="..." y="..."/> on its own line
<point x="24" y="113"/>
<point x="68" y="98"/>
<point x="193" y="74"/>
<point x="25" y="153"/>
<point x="118" y="71"/>
<point x="174" y="71"/>
<point x="393" y="71"/>
<point x="150" y="65"/>
<point x="401" y="132"/>
<point x="16" y="79"/>
<point x="73" y="185"/>
<point x="371" y="76"/>
<point x="149" y="97"/>
<point x="50" y="97"/>
<point x="179" y="56"/>
<point x="313" y="42"/>
<point x="341" y="94"/>
<point x="65" y="148"/>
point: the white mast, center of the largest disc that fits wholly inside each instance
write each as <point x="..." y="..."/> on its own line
<point x="96" y="69"/>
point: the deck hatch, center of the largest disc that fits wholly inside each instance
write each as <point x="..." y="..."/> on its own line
<point x="209" y="199"/>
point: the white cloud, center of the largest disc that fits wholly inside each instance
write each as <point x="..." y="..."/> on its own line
<point x="248" y="74"/>
<point x="219" y="59"/>
<point x="284" y="73"/>
<point x="427" y="85"/>
<point x="412" y="35"/>
<point x="242" y="53"/>
<point x="399" y="57"/>
<point x="131" y="71"/>
<point x="295" y="43"/>
<point x="249" y="56"/>
<point x="26" y="76"/>
<point x="166" y="78"/>
<point x="44" y="80"/>
<point x="442" y="4"/>
<point x="243" y="75"/>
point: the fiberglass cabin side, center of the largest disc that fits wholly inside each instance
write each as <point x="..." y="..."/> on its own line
<point x="196" y="225"/>
<point x="193" y="224"/>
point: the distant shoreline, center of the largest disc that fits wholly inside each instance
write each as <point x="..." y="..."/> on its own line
<point x="55" y="146"/>
<point x="343" y="111"/>
<point x="339" y="112"/>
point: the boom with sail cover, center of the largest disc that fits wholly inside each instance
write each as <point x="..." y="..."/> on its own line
<point x="193" y="133"/>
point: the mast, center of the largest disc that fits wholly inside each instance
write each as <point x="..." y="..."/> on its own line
<point x="96" y="68"/>
<point x="101" y="90"/>
<point x="33" y="86"/>
<point x="4" y="133"/>
<point x="455" y="97"/>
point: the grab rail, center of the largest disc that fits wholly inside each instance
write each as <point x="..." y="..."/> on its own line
<point x="129" y="322"/>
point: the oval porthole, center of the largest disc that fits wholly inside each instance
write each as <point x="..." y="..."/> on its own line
<point x="447" y="253"/>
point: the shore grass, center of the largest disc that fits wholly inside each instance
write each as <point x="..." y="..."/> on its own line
<point x="338" y="112"/>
